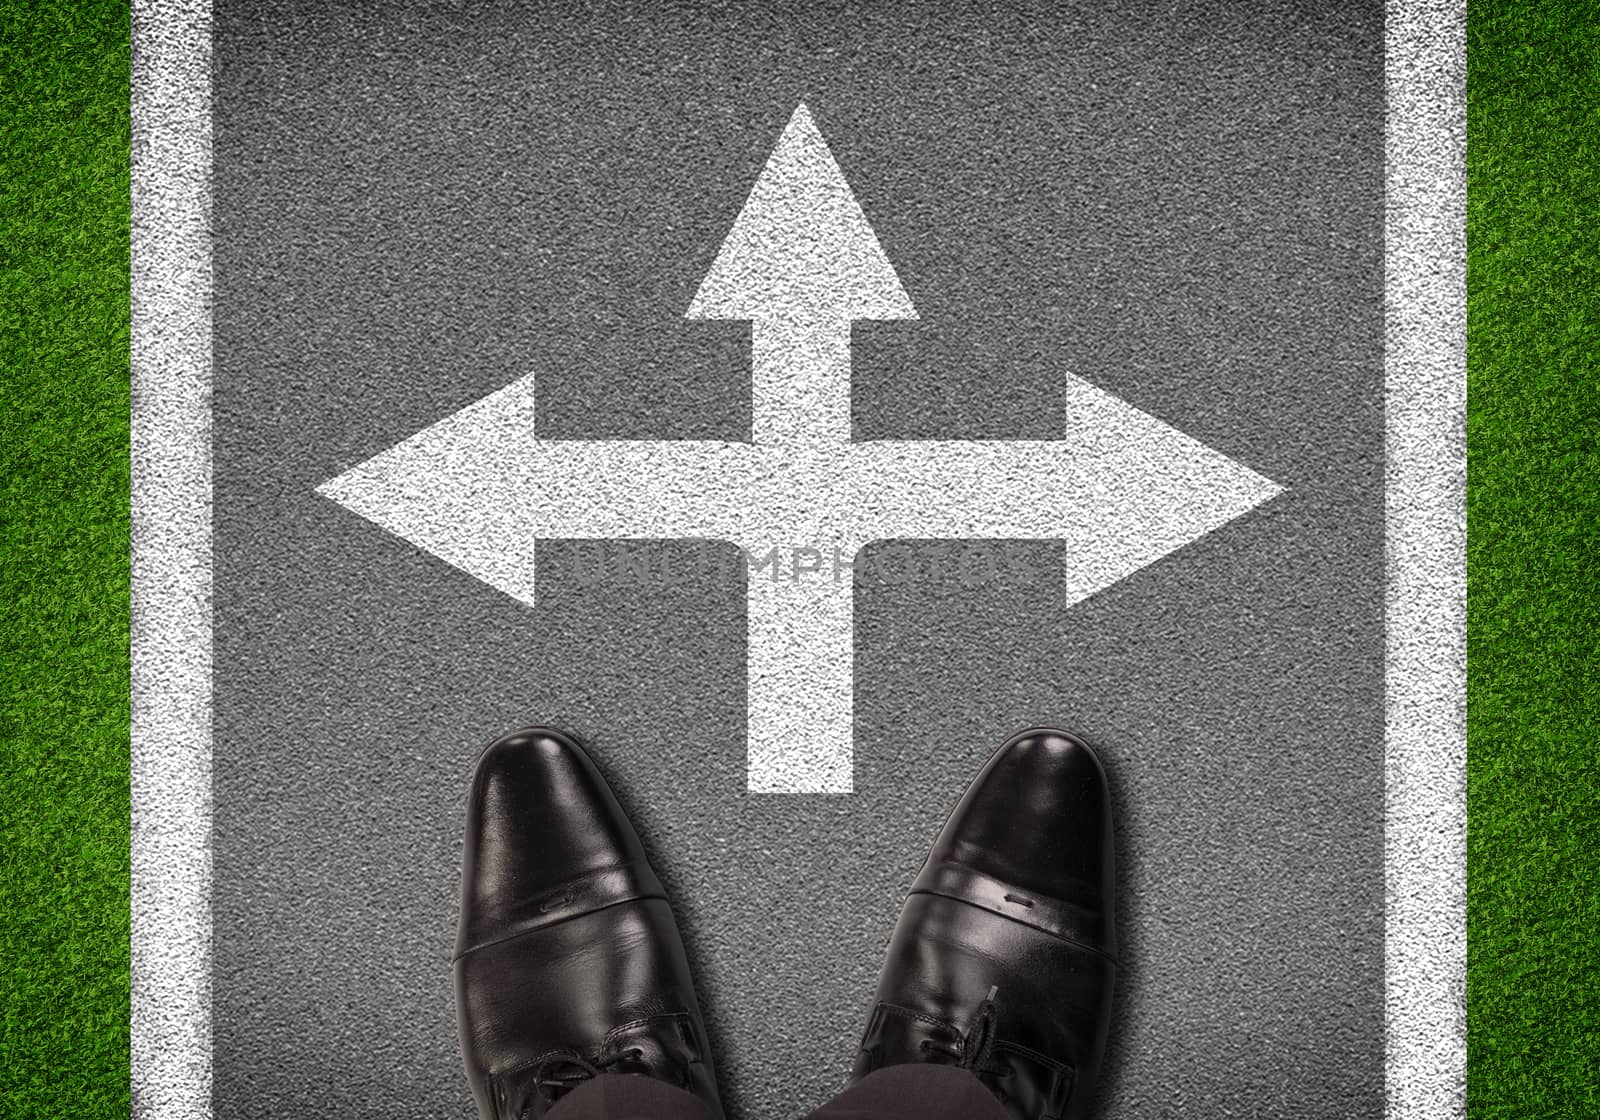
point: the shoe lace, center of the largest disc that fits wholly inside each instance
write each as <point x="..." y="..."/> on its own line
<point x="559" y="1074"/>
<point x="975" y="1050"/>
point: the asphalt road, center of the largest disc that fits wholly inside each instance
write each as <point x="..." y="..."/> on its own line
<point x="415" y="206"/>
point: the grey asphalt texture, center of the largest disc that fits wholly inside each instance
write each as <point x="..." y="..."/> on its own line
<point x="416" y="204"/>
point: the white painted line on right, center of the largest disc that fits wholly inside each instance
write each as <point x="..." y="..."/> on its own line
<point x="1425" y="486"/>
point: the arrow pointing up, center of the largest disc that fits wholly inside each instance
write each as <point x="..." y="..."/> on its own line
<point x="801" y="263"/>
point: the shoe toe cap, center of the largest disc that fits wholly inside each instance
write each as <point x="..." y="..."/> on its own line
<point x="539" y="815"/>
<point x="1039" y="817"/>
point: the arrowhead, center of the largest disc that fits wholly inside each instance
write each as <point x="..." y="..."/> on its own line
<point x="801" y="248"/>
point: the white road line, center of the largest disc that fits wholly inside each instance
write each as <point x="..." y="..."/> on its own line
<point x="1425" y="494"/>
<point x="171" y="561"/>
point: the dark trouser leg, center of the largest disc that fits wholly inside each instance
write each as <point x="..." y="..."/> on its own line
<point x="905" y="1092"/>
<point x="627" y="1096"/>
<point x="914" y="1092"/>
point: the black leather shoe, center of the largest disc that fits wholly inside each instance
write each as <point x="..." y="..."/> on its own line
<point x="1004" y="957"/>
<point x="568" y="962"/>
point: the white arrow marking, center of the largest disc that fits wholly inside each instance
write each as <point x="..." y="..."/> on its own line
<point x="801" y="263"/>
<point x="1121" y="488"/>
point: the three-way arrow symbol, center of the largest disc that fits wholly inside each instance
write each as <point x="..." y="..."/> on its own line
<point x="801" y="263"/>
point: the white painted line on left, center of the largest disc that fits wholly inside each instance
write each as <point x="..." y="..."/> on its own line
<point x="171" y="561"/>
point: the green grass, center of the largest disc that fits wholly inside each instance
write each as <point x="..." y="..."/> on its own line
<point x="64" y="560"/>
<point x="1533" y="153"/>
